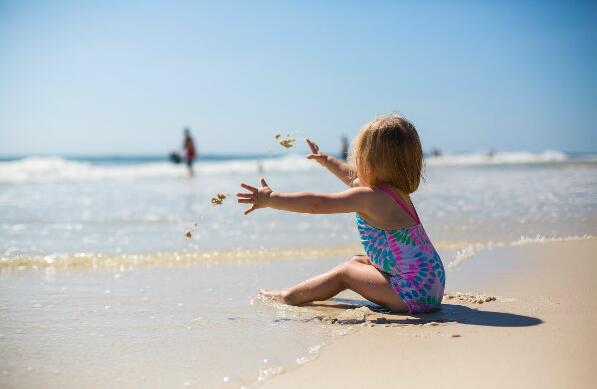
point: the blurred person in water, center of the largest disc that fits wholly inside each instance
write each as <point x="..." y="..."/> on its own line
<point x="189" y="150"/>
<point x="344" y="150"/>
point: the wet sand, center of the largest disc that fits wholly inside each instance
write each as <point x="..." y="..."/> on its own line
<point x="538" y="332"/>
<point x="159" y="327"/>
<point x="520" y="316"/>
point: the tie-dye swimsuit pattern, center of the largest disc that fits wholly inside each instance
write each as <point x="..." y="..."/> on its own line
<point x="408" y="257"/>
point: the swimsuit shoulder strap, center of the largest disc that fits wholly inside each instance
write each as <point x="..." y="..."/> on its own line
<point x="414" y="215"/>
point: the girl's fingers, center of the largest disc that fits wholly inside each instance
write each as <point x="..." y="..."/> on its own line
<point x="313" y="146"/>
<point x="246" y="201"/>
<point x="245" y="195"/>
<point x="263" y="183"/>
<point x="316" y="157"/>
<point x="249" y="210"/>
<point x="249" y="188"/>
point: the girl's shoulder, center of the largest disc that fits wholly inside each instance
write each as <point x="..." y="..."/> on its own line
<point x="368" y="193"/>
<point x="375" y="191"/>
<point x="364" y="192"/>
<point x="382" y="209"/>
<point x="369" y="199"/>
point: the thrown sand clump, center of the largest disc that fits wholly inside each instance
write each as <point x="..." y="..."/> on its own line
<point x="218" y="199"/>
<point x="287" y="142"/>
<point x="469" y="298"/>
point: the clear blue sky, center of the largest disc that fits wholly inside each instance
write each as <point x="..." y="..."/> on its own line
<point x="125" y="77"/>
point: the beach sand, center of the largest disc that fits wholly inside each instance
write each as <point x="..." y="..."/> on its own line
<point x="519" y="315"/>
<point x="539" y="332"/>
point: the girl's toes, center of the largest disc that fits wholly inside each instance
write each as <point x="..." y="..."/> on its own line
<point x="266" y="293"/>
<point x="276" y="295"/>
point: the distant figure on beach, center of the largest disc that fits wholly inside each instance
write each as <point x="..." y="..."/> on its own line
<point x="401" y="270"/>
<point x="189" y="150"/>
<point x="345" y="146"/>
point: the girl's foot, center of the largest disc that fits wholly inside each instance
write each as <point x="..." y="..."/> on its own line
<point x="277" y="295"/>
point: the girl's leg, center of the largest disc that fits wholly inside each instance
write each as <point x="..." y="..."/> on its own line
<point x="357" y="274"/>
<point x="361" y="259"/>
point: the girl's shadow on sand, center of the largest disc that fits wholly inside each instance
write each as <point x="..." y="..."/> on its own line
<point x="447" y="313"/>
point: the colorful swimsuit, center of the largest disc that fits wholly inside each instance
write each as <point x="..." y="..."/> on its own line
<point x="409" y="259"/>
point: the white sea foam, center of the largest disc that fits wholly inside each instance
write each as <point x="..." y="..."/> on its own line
<point x="471" y="251"/>
<point x="543" y="239"/>
<point x="515" y="157"/>
<point x="56" y="170"/>
<point x="462" y="255"/>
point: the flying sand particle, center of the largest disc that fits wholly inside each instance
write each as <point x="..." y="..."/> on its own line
<point x="189" y="234"/>
<point x="218" y="199"/>
<point x="287" y="142"/>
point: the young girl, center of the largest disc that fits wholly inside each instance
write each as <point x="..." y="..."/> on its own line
<point x="401" y="271"/>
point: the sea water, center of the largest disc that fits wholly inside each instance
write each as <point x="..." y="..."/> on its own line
<point x="101" y="286"/>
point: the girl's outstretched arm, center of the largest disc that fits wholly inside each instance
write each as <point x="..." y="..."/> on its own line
<point x="338" y="168"/>
<point x="351" y="200"/>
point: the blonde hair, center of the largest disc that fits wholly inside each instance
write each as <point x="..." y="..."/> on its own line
<point x="388" y="151"/>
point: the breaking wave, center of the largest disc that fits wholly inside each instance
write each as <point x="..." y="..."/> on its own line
<point x="515" y="157"/>
<point x="57" y="169"/>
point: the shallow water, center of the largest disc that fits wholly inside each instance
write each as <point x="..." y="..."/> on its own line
<point x="153" y="327"/>
<point x="459" y="205"/>
<point x="99" y="286"/>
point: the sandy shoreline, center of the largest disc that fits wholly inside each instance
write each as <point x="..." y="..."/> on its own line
<point x="185" y="326"/>
<point x="539" y="332"/>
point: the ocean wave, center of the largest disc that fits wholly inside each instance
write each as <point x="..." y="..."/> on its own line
<point x="56" y="169"/>
<point x="501" y="158"/>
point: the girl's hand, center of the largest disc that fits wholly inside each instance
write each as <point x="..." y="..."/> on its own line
<point x="258" y="198"/>
<point x="317" y="155"/>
